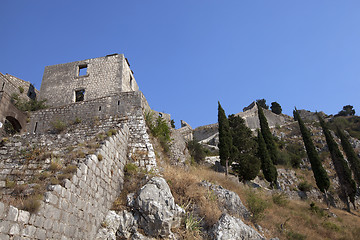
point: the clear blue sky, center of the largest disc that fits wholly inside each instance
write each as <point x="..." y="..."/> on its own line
<point x="189" y="54"/>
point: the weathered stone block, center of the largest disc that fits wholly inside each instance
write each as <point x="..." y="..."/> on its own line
<point x="28" y="231"/>
<point x="40" y="233"/>
<point x="23" y="217"/>
<point x="14" y="229"/>
<point x="12" y="214"/>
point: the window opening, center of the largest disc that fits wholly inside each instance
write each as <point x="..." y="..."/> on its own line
<point x="79" y="95"/>
<point x="82" y="70"/>
<point x="99" y="108"/>
<point x="3" y="85"/>
<point x="118" y="103"/>
<point x="36" y="123"/>
<point x="160" y="115"/>
<point x="31" y="92"/>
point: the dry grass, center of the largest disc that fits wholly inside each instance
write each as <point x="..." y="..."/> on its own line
<point x="286" y="219"/>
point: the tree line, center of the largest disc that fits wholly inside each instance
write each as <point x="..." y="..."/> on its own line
<point x="247" y="155"/>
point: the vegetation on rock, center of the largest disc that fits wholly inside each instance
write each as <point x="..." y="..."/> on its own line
<point x="268" y="168"/>
<point x="321" y="177"/>
<point x="245" y="161"/>
<point x="225" y="140"/>
<point x="276" y="108"/>
<point x="347" y="184"/>
<point x="268" y="137"/>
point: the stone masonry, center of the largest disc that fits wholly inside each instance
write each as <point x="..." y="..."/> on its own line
<point x="100" y="93"/>
<point x="102" y="77"/>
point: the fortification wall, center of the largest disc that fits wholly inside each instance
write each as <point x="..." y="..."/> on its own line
<point x="204" y="132"/>
<point x="122" y="104"/>
<point x="75" y="210"/>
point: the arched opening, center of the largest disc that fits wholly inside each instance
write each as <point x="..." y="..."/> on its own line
<point x="12" y="125"/>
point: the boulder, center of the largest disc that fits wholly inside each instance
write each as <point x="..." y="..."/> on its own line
<point x="128" y="224"/>
<point x="231" y="228"/>
<point x="109" y="226"/>
<point x="157" y="210"/>
<point x="230" y="200"/>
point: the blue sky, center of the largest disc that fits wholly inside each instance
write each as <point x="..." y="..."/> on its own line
<point x="189" y="54"/>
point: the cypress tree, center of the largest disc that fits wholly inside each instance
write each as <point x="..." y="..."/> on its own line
<point x="347" y="183"/>
<point x="225" y="141"/>
<point x="268" y="168"/>
<point x="321" y="177"/>
<point x="269" y="139"/>
<point x="350" y="154"/>
<point x="246" y="163"/>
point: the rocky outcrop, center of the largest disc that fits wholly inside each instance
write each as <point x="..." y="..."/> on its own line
<point x="153" y="210"/>
<point x="157" y="210"/>
<point x="229" y="227"/>
<point x="230" y="201"/>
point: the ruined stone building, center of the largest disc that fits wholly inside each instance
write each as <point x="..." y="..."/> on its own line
<point x="93" y="98"/>
<point x="11" y="86"/>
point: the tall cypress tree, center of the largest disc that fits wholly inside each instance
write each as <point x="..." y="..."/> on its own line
<point x="268" y="168"/>
<point x="350" y="154"/>
<point x="321" y="177"/>
<point x="245" y="162"/>
<point x="268" y="137"/>
<point x="347" y="184"/>
<point x="225" y="141"/>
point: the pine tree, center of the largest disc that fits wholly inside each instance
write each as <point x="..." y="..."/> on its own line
<point x="350" y="154"/>
<point x="246" y="163"/>
<point x="268" y="168"/>
<point x="347" y="184"/>
<point x="321" y="177"/>
<point x="225" y="141"/>
<point x="276" y="108"/>
<point x="269" y="139"/>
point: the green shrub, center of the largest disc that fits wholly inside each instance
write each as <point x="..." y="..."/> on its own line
<point x="291" y="235"/>
<point x="70" y="169"/>
<point x="131" y="168"/>
<point x="283" y="158"/>
<point x="192" y="224"/>
<point x="280" y="199"/>
<point x="196" y="151"/>
<point x="304" y="186"/>
<point x="111" y="132"/>
<point x="32" y="204"/>
<point x="30" y="105"/>
<point x="77" y="120"/>
<point x="10" y="184"/>
<point x="331" y="226"/>
<point x="55" y="165"/>
<point x="58" y="126"/>
<point x="21" y="89"/>
<point x="256" y="205"/>
<point x="318" y="211"/>
<point x="100" y="157"/>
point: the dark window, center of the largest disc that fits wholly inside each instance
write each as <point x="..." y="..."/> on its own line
<point x="83" y="70"/>
<point x="31" y="92"/>
<point x="36" y="123"/>
<point x="118" y="102"/>
<point x="99" y="108"/>
<point x="79" y="95"/>
<point x="160" y="115"/>
<point x="3" y="85"/>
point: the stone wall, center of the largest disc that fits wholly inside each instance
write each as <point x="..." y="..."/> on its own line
<point x="122" y="104"/>
<point x="103" y="76"/>
<point x="11" y="85"/>
<point x="76" y="210"/>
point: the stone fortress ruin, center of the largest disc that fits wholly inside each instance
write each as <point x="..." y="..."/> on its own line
<point x="91" y="97"/>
